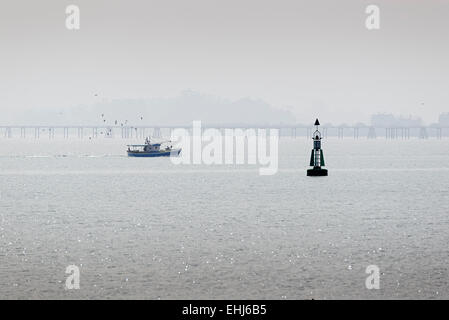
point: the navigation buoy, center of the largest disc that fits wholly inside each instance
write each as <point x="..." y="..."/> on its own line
<point x="317" y="157"/>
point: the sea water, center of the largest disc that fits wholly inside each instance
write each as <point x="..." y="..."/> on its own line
<point x="145" y="228"/>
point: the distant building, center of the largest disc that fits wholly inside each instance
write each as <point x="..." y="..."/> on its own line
<point x="389" y="120"/>
<point x="443" y="119"/>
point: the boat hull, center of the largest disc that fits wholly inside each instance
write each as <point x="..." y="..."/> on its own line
<point x="143" y="154"/>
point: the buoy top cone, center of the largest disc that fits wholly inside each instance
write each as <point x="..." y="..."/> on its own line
<point x="317" y="123"/>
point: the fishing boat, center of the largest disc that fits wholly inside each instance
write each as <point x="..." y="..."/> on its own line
<point x="152" y="149"/>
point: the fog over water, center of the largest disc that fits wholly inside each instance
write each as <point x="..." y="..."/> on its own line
<point x="298" y="57"/>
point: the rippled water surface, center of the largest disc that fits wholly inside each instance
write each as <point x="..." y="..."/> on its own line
<point x="149" y="229"/>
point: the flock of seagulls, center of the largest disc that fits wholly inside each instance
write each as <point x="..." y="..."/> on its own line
<point x="109" y="130"/>
<point x="116" y="121"/>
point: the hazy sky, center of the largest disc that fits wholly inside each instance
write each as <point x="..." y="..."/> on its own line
<point x="314" y="58"/>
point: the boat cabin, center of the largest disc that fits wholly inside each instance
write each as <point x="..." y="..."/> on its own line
<point x="156" y="147"/>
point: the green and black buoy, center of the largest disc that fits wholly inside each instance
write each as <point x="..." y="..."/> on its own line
<point x="317" y="157"/>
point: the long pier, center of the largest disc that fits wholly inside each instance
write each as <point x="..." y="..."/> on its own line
<point x="295" y="131"/>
